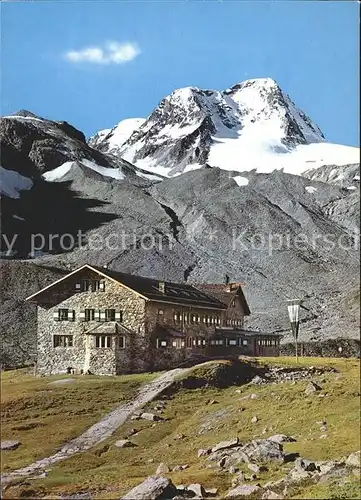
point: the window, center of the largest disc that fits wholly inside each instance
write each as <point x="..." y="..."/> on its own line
<point x="64" y="315"/>
<point x="89" y="314"/>
<point x="258" y="342"/>
<point x="244" y="342"/>
<point x="217" y="342"/>
<point x="193" y="318"/>
<point x="162" y="343"/>
<point x="63" y="341"/>
<point x="177" y="317"/>
<point x="218" y="320"/>
<point x="109" y="314"/>
<point x="189" y="341"/>
<point x="186" y="318"/>
<point x="160" y="312"/>
<point x="233" y="303"/>
<point x="103" y="341"/>
<point x="232" y="342"/>
<point x="121" y="342"/>
<point x="90" y="285"/>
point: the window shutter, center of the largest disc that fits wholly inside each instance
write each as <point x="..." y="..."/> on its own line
<point x="118" y="315"/>
<point x="97" y="315"/>
<point x="102" y="286"/>
<point x="56" y="315"/>
<point x="82" y="315"/>
<point x="71" y="315"/>
<point x="78" y="287"/>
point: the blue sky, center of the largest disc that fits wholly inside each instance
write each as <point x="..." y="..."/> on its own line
<point x="310" y="48"/>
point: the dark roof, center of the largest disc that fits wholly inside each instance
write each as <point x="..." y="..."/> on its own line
<point x="219" y="292"/>
<point x="179" y="293"/>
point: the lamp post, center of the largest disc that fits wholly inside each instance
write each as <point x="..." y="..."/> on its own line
<point x="293" y="307"/>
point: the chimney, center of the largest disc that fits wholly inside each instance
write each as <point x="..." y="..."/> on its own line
<point x="161" y="286"/>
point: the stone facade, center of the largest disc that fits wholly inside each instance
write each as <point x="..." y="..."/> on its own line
<point x="139" y="335"/>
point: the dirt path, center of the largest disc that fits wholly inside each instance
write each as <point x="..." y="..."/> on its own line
<point x="102" y="429"/>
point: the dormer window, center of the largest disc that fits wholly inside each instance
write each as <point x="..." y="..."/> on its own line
<point x="90" y="286"/>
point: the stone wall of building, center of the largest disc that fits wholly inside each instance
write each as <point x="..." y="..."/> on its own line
<point x="83" y="355"/>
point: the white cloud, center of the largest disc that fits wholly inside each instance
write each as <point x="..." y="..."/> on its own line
<point x="111" y="53"/>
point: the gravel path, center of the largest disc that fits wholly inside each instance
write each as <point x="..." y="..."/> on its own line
<point x="102" y="429"/>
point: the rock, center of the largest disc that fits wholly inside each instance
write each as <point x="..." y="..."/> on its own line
<point x="271" y="495"/>
<point x="321" y="422"/>
<point x="299" y="475"/>
<point x="225" y="444"/>
<point x="63" y="381"/>
<point x="131" y="432"/>
<point x="162" y="468"/>
<point x="211" y="491"/>
<point x="323" y="428"/>
<point x="257" y="380"/>
<point x="257" y="468"/>
<point x="251" y="477"/>
<point x="124" y="443"/>
<point x="222" y="462"/>
<point x="203" y="452"/>
<point x="282" y="438"/>
<point x="134" y="417"/>
<point x="324" y="436"/>
<point x="153" y="488"/>
<point x="245" y="490"/>
<point x="179" y="436"/>
<point x="238" y="479"/>
<point x="198" y="489"/>
<point x="254" y="396"/>
<point x="311" y="388"/>
<point x="150" y="416"/>
<point x="212" y="402"/>
<point x="9" y="445"/>
<point x="304" y="464"/>
<point x="233" y="469"/>
<point x="179" y="468"/>
<point x="254" y="420"/>
<point x="150" y="460"/>
<point x="353" y="460"/>
<point x="264" y="450"/>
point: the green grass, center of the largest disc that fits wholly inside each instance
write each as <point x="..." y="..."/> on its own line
<point x="108" y="472"/>
<point x="43" y="417"/>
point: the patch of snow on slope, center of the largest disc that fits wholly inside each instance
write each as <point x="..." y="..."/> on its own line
<point x="59" y="172"/>
<point x="12" y="182"/>
<point x="351" y="188"/>
<point x="241" y="181"/>
<point x="115" y="173"/>
<point x="311" y="189"/>
<point x="356" y="178"/>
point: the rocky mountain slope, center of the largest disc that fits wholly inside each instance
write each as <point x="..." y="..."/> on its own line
<point x="252" y="125"/>
<point x="282" y="235"/>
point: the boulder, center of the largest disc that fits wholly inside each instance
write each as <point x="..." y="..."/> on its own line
<point x="305" y="465"/>
<point x="150" y="416"/>
<point x="254" y="419"/>
<point x="264" y="450"/>
<point x="257" y="468"/>
<point x="258" y="380"/>
<point x="353" y="460"/>
<point x="312" y="387"/>
<point x="282" y="438"/>
<point x="203" y="452"/>
<point x="212" y="492"/>
<point x="271" y="495"/>
<point x="198" y="489"/>
<point x="162" y="468"/>
<point x="124" y="443"/>
<point x="244" y="491"/>
<point x="9" y="445"/>
<point x="153" y="488"/>
<point x="238" y="479"/>
<point x="225" y="444"/>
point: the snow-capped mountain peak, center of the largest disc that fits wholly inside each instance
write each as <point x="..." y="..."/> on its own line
<point x="252" y="125"/>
